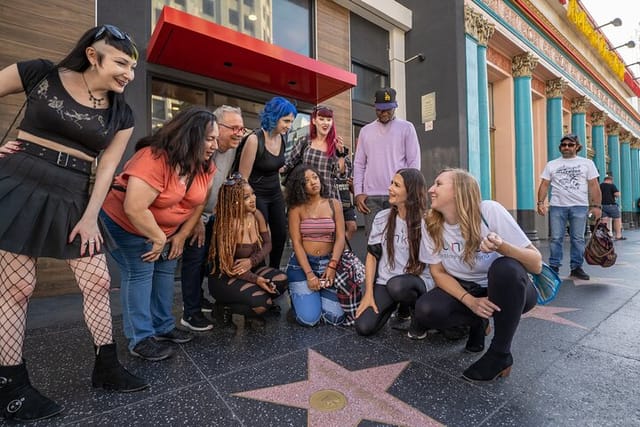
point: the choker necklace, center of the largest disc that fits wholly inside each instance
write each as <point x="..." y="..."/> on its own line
<point x="96" y="101"/>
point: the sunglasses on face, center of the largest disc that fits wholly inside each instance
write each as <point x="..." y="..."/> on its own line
<point x="113" y="30"/>
<point x="234" y="129"/>
<point x="567" y="144"/>
<point x="233" y="179"/>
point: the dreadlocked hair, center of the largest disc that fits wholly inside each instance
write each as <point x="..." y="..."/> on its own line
<point x="228" y="229"/>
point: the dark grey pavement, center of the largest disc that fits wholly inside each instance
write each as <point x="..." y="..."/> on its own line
<point x="577" y="363"/>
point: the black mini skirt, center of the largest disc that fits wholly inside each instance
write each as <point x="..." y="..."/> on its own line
<point x="40" y="203"/>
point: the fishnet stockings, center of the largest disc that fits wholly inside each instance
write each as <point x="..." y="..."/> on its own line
<point x="93" y="279"/>
<point x="17" y="281"/>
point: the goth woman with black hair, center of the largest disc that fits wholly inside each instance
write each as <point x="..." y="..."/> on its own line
<point x="75" y="111"/>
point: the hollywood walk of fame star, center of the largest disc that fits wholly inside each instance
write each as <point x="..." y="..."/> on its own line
<point x="335" y="396"/>
<point x="551" y="314"/>
<point x="594" y="280"/>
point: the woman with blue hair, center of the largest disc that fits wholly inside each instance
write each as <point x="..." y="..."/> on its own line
<point x="261" y="160"/>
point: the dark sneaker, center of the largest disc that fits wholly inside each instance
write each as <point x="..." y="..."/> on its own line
<point x="196" y="322"/>
<point x="416" y="332"/>
<point x="579" y="273"/>
<point x="555" y="268"/>
<point x="206" y="306"/>
<point x="175" y="335"/>
<point x="150" y="349"/>
<point x="403" y="313"/>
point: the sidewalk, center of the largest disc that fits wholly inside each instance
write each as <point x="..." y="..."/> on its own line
<point x="576" y="363"/>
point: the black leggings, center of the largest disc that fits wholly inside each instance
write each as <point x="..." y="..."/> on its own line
<point x="245" y="297"/>
<point x="404" y="289"/>
<point x="271" y="205"/>
<point x="508" y="287"/>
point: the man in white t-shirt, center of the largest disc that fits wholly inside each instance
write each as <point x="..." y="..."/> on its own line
<point x="573" y="181"/>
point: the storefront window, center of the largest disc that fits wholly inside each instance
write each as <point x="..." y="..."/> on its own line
<point x="167" y="99"/>
<point x="286" y="23"/>
<point x="369" y="81"/>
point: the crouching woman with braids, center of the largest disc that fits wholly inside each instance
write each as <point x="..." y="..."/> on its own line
<point x="479" y="259"/>
<point x="395" y="270"/>
<point x="239" y="279"/>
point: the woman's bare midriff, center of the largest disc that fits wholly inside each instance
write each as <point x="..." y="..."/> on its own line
<point x="53" y="145"/>
<point x="317" y="248"/>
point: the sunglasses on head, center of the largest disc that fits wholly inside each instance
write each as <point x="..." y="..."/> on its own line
<point x="113" y="30"/>
<point x="233" y="179"/>
<point x="322" y="108"/>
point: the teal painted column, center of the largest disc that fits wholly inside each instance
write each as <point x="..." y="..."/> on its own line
<point x="554" y="91"/>
<point x="522" y="66"/>
<point x="613" y="141"/>
<point x="625" y="174"/>
<point x="483" y="124"/>
<point x="635" y="174"/>
<point x="579" y="121"/>
<point x="597" y="141"/>
<point x="473" y="115"/>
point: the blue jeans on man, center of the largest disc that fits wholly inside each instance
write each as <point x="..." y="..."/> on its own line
<point x="576" y="216"/>
<point x="194" y="266"/>
<point x="146" y="288"/>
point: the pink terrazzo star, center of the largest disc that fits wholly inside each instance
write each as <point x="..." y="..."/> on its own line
<point x="365" y="392"/>
<point x="550" y="314"/>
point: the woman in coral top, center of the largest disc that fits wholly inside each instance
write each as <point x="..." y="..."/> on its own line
<point x="150" y="211"/>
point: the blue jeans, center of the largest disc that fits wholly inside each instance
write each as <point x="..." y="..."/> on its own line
<point x="577" y="217"/>
<point x="146" y="288"/>
<point x="311" y="306"/>
<point x="194" y="260"/>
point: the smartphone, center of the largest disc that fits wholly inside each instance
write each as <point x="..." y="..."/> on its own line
<point x="164" y="255"/>
<point x="324" y="283"/>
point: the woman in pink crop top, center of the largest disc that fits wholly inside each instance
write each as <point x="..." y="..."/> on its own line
<point x="74" y="111"/>
<point x="316" y="227"/>
<point x="239" y="281"/>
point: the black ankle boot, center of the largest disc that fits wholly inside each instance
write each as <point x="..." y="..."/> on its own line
<point x="109" y="374"/>
<point x="479" y="330"/>
<point x="222" y="313"/>
<point x="489" y="367"/>
<point x="19" y="401"/>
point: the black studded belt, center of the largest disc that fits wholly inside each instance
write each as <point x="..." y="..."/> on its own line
<point x="58" y="158"/>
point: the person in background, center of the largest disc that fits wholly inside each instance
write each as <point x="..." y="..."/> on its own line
<point x="316" y="227"/>
<point x="573" y="180"/>
<point x="150" y="212"/>
<point x="610" y="209"/>
<point x="395" y="267"/>
<point x="75" y="111"/>
<point x="263" y="170"/>
<point x="194" y="257"/>
<point x="479" y="258"/>
<point x="239" y="279"/>
<point x="325" y="151"/>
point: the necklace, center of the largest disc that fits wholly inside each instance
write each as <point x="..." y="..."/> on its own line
<point x="96" y="101"/>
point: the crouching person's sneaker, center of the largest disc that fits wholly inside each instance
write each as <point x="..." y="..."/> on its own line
<point x="150" y="349"/>
<point x="579" y="273"/>
<point x="175" y="335"/>
<point x="196" y="322"/>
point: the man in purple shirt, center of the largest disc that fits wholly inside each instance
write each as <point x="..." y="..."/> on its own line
<point x="384" y="146"/>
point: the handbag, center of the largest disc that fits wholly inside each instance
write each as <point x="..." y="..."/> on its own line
<point x="348" y="283"/>
<point x="600" y="249"/>
<point x="547" y="284"/>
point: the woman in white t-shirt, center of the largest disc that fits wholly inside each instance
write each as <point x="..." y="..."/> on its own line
<point x="394" y="271"/>
<point x="479" y="258"/>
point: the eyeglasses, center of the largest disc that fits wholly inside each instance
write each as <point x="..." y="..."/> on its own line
<point x="233" y="179"/>
<point x="234" y="129"/>
<point x="567" y="144"/>
<point x="114" y="31"/>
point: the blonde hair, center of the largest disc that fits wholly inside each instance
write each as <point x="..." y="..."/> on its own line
<point x="467" y="202"/>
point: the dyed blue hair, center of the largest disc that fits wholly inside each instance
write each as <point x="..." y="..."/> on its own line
<point x="274" y="110"/>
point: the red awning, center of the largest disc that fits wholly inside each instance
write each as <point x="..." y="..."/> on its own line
<point x="198" y="46"/>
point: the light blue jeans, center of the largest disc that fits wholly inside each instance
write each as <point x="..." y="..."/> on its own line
<point x="577" y="218"/>
<point x="311" y="306"/>
<point x="146" y="288"/>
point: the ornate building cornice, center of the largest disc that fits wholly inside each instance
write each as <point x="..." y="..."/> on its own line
<point x="523" y="65"/>
<point x="555" y="87"/>
<point x="625" y="136"/>
<point x="579" y="104"/>
<point x="478" y="26"/>
<point x="635" y="142"/>
<point x="613" y="129"/>
<point x="598" y="118"/>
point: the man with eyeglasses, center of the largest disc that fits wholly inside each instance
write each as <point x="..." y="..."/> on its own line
<point x="194" y="257"/>
<point x="574" y="181"/>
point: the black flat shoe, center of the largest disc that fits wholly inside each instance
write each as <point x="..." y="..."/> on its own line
<point x="490" y="366"/>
